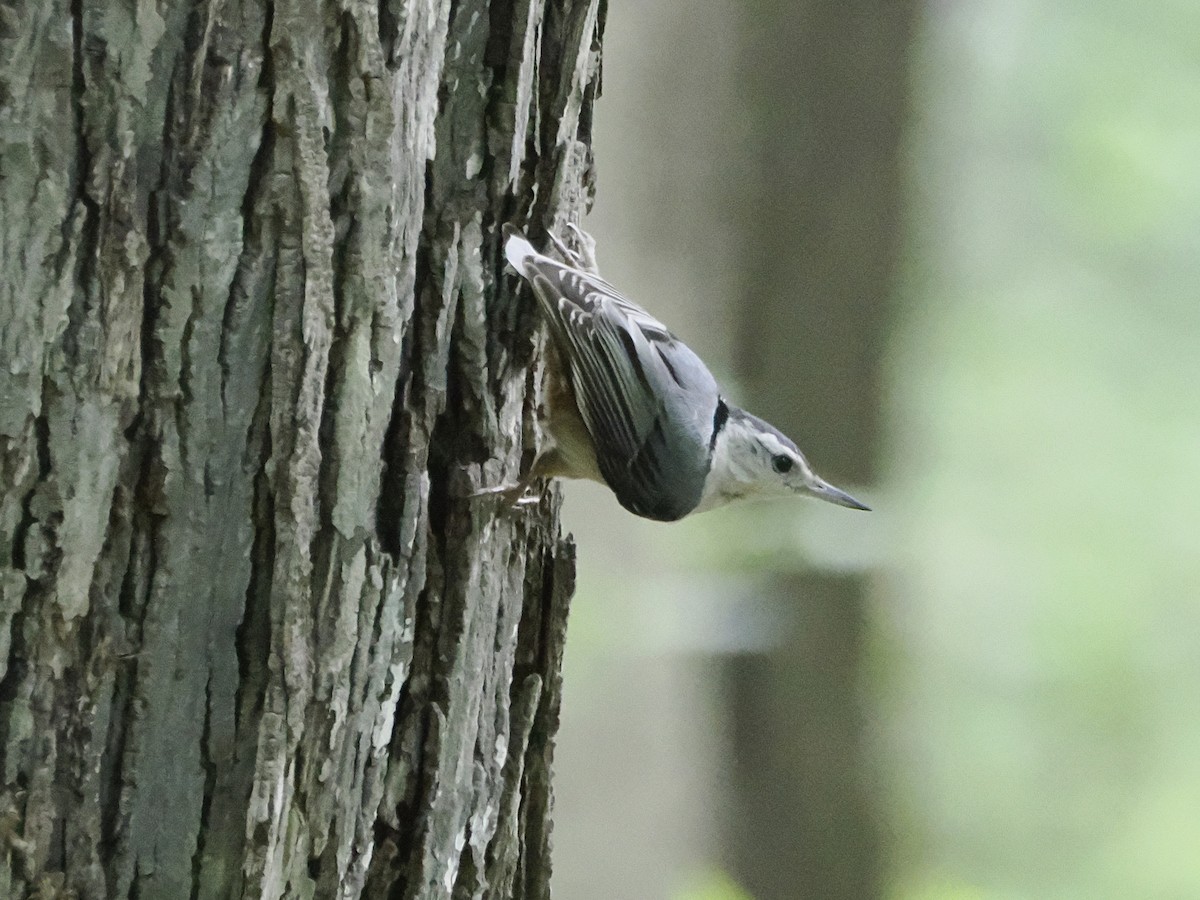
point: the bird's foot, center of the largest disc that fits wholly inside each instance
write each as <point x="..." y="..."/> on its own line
<point x="587" y="248"/>
<point x="582" y="258"/>
<point x="515" y="495"/>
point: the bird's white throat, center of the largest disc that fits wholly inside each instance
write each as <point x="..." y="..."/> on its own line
<point x="732" y="473"/>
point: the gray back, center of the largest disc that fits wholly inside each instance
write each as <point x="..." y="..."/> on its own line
<point x="646" y="398"/>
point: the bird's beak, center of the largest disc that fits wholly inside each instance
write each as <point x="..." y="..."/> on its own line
<point x="823" y="490"/>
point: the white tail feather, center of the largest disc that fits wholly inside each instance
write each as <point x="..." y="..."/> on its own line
<point x="518" y="249"/>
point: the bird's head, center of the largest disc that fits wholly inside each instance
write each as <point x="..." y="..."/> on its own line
<point x="753" y="459"/>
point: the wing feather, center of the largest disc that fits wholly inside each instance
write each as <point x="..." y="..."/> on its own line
<point x="646" y="398"/>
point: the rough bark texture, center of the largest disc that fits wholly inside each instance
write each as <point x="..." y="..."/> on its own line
<point x="256" y="351"/>
<point x="822" y="251"/>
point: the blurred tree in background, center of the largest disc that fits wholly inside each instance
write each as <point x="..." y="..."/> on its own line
<point x="821" y="241"/>
<point x="1029" y="687"/>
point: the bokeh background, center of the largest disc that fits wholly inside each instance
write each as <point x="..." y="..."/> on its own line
<point x="954" y="249"/>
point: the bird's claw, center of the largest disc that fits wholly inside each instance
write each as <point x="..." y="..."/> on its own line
<point x="514" y="495"/>
<point x="582" y="258"/>
<point x="587" y="248"/>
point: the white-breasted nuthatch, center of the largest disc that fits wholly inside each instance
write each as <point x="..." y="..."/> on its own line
<point x="630" y="405"/>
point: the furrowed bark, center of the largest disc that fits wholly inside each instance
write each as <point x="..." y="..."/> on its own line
<point x="256" y="352"/>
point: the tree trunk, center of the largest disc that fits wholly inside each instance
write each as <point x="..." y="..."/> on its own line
<point x="256" y="352"/>
<point x="822" y="254"/>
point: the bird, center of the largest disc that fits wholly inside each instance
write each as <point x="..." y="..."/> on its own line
<point x="631" y="406"/>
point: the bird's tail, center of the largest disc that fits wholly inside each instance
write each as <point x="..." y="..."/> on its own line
<point x="517" y="248"/>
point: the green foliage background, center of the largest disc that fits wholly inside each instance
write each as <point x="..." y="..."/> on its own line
<point x="1041" y="622"/>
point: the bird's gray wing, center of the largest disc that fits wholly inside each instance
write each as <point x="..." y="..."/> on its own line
<point x="646" y="398"/>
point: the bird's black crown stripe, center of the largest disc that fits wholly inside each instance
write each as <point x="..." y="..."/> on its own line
<point x="720" y="417"/>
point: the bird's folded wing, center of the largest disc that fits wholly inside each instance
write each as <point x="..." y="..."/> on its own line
<point x="647" y="400"/>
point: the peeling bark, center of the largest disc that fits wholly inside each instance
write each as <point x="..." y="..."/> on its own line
<point x="256" y="352"/>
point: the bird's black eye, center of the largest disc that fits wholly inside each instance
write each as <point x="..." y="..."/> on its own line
<point x="781" y="463"/>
